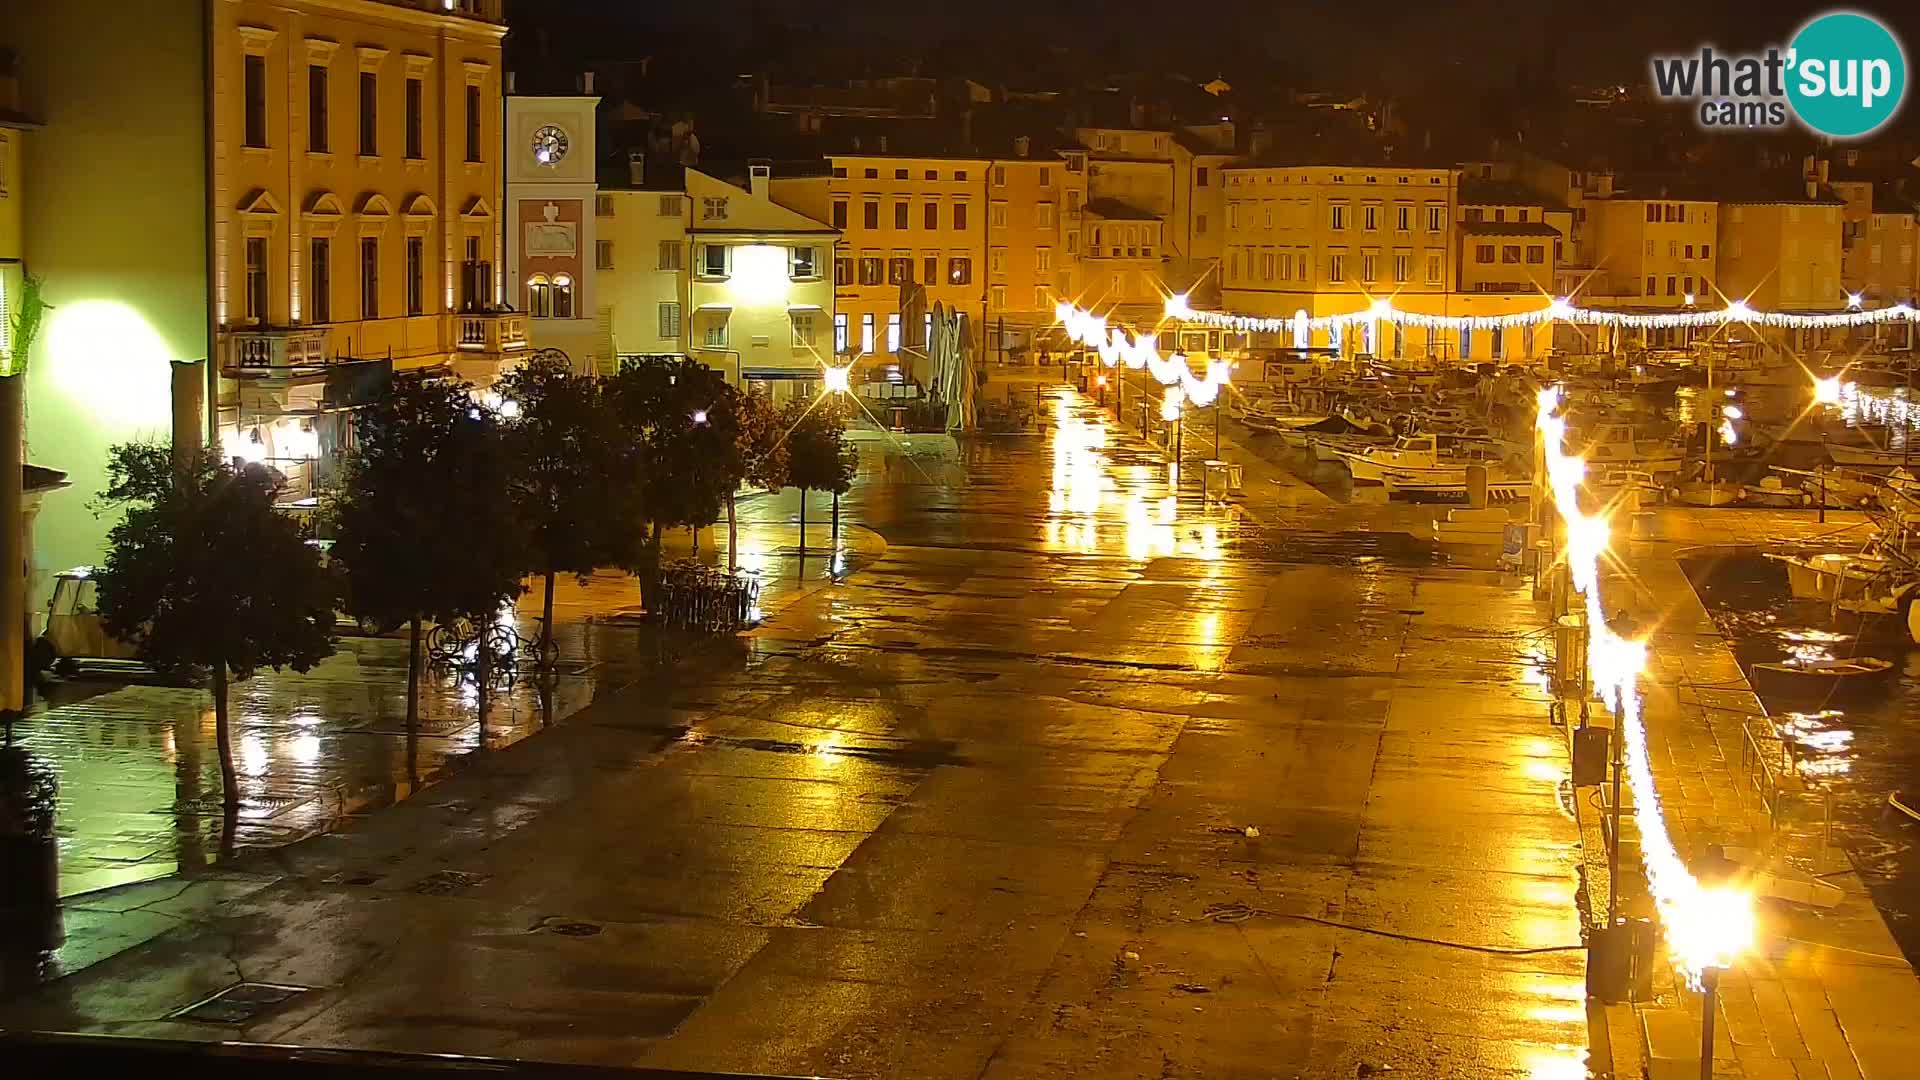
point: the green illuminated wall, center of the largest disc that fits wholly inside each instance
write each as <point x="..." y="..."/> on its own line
<point x="115" y="220"/>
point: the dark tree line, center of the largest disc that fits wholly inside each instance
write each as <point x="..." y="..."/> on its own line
<point x="447" y="504"/>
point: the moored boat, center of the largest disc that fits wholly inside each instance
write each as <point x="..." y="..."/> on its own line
<point x="1825" y="680"/>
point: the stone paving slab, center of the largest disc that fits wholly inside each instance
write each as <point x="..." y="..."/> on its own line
<point x="1825" y="993"/>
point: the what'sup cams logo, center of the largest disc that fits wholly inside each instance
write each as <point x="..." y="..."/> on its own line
<point x="1844" y="76"/>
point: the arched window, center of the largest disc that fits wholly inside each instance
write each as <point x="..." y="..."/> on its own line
<point x="563" y="296"/>
<point x="539" y="296"/>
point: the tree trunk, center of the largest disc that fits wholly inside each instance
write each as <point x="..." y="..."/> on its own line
<point x="650" y="569"/>
<point x="223" y="738"/>
<point x="413" y="673"/>
<point x="546" y="621"/>
<point x="733" y="537"/>
<point x="803" y="532"/>
<point x="833" y="541"/>
<point x="483" y="676"/>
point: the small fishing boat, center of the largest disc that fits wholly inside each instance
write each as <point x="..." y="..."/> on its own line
<point x="1431" y="459"/>
<point x="1868" y="457"/>
<point x="1822" y="679"/>
<point x="1706" y="493"/>
<point x="1616" y="445"/>
<point x="1772" y="492"/>
<point x="1831" y="577"/>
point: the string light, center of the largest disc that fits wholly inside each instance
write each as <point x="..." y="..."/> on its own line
<point x="1707" y="926"/>
<point x="1142" y="351"/>
<point x="1559" y="309"/>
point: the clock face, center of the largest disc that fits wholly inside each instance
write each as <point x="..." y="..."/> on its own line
<point x="549" y="144"/>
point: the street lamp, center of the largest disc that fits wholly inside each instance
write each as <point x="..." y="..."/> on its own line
<point x="699" y="416"/>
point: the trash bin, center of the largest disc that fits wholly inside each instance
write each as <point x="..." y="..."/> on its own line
<point x="1214" y="476"/>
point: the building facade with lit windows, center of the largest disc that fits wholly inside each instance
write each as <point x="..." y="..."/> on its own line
<point x="1033" y="250"/>
<point x="300" y="193"/>
<point x="761" y="298"/>
<point x="1879" y="233"/>
<point x="903" y="221"/>
<point x="1782" y="252"/>
<point x="1127" y="221"/>
<point x="643" y="225"/>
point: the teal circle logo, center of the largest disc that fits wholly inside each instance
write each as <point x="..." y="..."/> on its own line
<point x="1846" y="74"/>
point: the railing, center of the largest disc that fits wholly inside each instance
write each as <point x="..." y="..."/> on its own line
<point x="487" y="10"/>
<point x="492" y="332"/>
<point x="276" y="348"/>
<point x="1758" y="762"/>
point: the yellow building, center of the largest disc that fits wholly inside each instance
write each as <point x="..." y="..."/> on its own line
<point x="760" y="295"/>
<point x="14" y="125"/>
<point x="1878" y="231"/>
<point x="903" y="221"/>
<point x="1128" y="222"/>
<point x="278" y="187"/>
<point x="1781" y="252"/>
<point x="1032" y="242"/>
<point x="643" y="225"/>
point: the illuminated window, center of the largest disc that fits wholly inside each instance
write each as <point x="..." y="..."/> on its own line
<point x="803" y="328"/>
<point x="866" y="332"/>
<point x="893" y="332"/>
<point x="804" y="266"/>
<point x="900" y="270"/>
<point x="870" y="270"/>
<point x="842" y="270"/>
<point x="840" y="332"/>
<point x="539" y="296"/>
<point x="959" y="270"/>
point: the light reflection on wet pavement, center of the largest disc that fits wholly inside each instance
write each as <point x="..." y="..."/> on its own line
<point x="139" y="773"/>
<point x="1064" y="780"/>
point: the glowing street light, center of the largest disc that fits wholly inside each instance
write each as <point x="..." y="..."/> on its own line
<point x="1856" y="301"/>
<point x="1826" y="391"/>
<point x="699" y="416"/>
<point x="836" y="380"/>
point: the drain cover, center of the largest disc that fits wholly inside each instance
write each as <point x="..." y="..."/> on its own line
<point x="447" y="882"/>
<point x="240" y="1003"/>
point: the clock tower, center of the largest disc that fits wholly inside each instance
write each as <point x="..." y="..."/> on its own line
<point x="552" y="245"/>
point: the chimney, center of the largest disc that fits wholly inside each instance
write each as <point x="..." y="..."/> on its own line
<point x="1021" y="145"/>
<point x="883" y="144"/>
<point x="1822" y="171"/>
<point x="586" y="83"/>
<point x="637" y="168"/>
<point x="759" y="178"/>
<point x="510" y="82"/>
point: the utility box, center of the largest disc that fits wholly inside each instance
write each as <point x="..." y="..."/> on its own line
<point x="1620" y="961"/>
<point x="1590" y="746"/>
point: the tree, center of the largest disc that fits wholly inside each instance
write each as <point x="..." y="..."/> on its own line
<point x="761" y="440"/>
<point x="424" y="524"/>
<point x="679" y="423"/>
<point x="203" y="574"/>
<point x="579" y="506"/>
<point x="819" y="456"/>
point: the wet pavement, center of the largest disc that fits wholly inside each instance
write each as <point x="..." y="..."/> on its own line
<point x="1079" y="775"/>
<point x="139" y="774"/>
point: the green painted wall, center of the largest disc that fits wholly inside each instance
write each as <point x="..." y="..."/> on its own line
<point x="115" y="223"/>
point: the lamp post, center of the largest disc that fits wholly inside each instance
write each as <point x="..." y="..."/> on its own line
<point x="1710" y="983"/>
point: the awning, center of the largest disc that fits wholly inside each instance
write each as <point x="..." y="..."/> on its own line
<point x="713" y="307"/>
<point x="772" y="373"/>
<point x="805" y="307"/>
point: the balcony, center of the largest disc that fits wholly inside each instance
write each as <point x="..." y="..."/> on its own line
<point x="265" y="349"/>
<point x="497" y="332"/>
